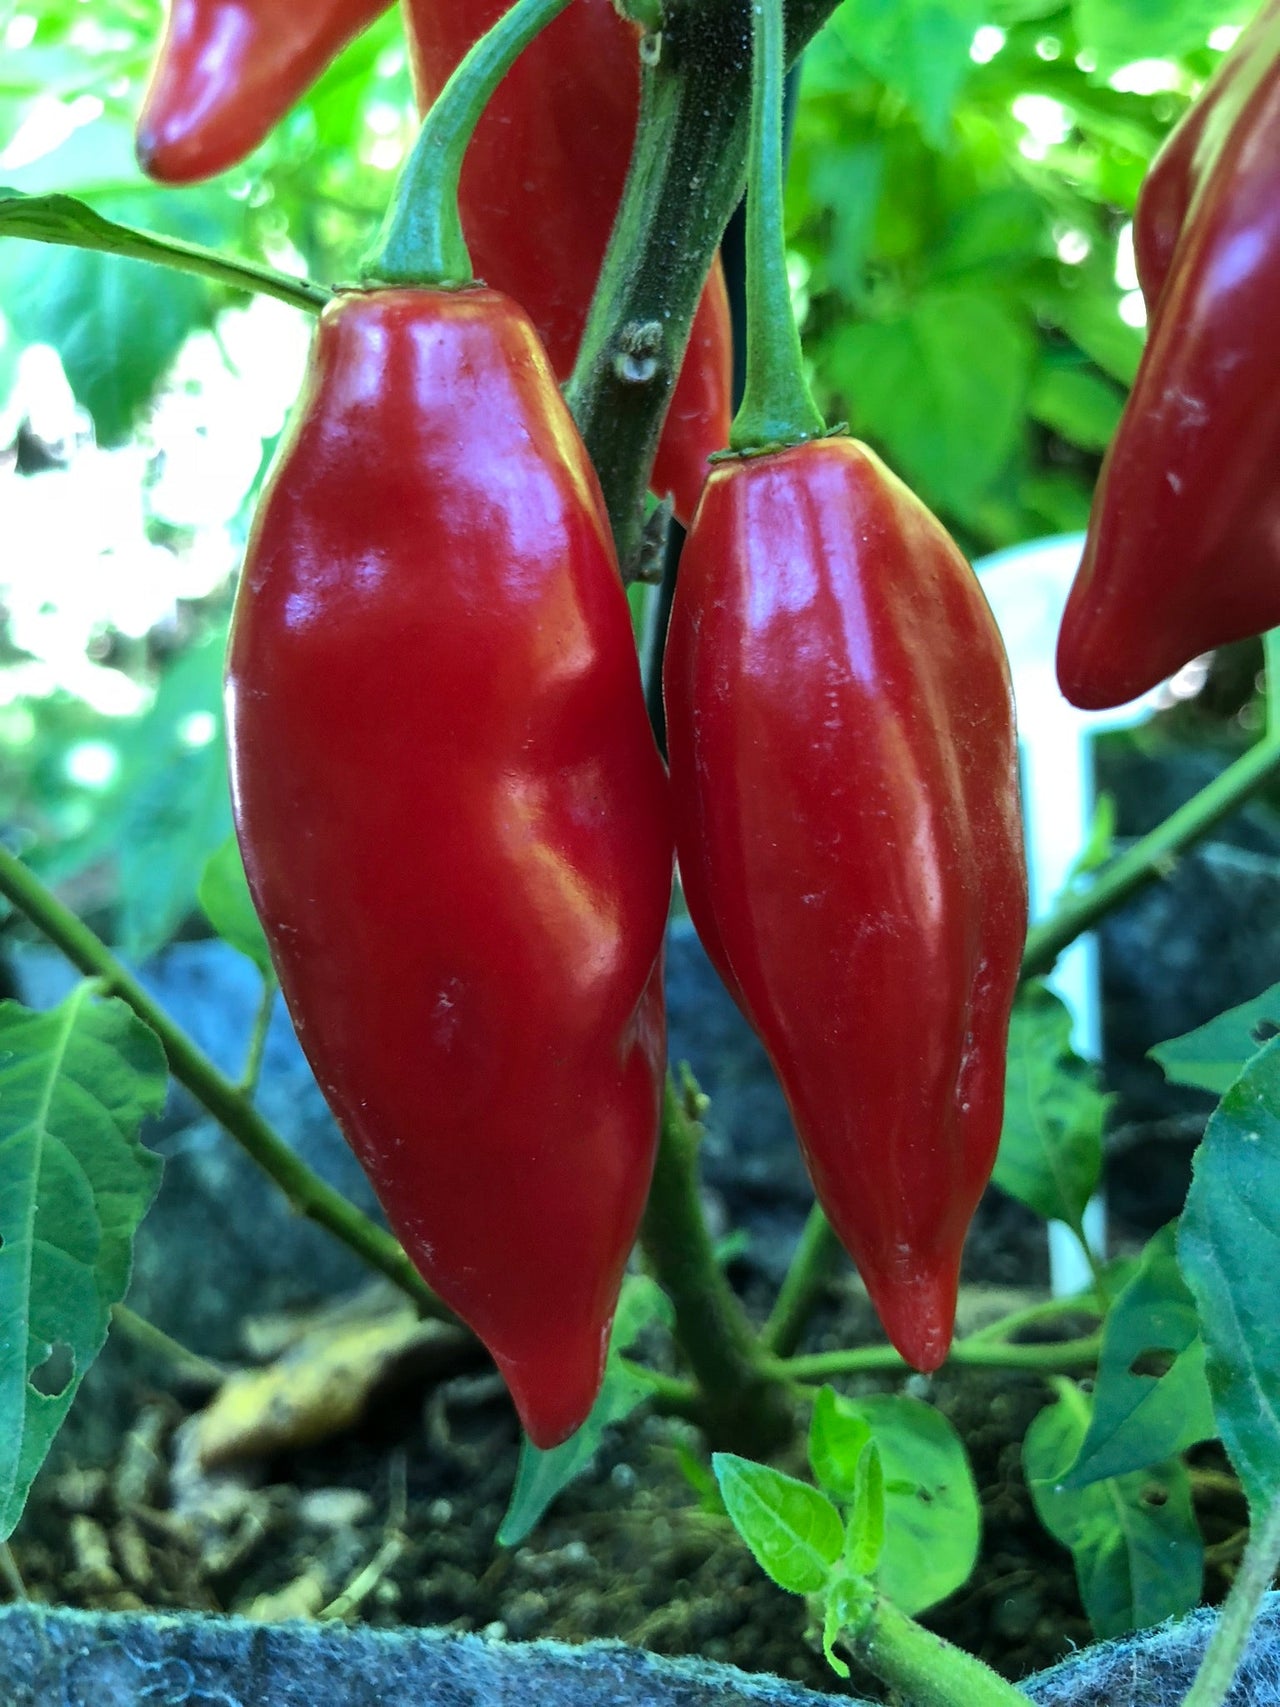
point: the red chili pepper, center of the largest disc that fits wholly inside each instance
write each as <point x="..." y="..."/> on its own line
<point x="541" y="184"/>
<point x="454" y="819"/>
<point x="1183" y="552"/>
<point x="843" y="770"/>
<point x="227" y="71"/>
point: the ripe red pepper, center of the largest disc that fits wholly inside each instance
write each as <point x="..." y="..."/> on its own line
<point x="454" y="819"/>
<point x="227" y="71"/>
<point x="843" y="770"/>
<point x="1183" y="551"/>
<point x="540" y="188"/>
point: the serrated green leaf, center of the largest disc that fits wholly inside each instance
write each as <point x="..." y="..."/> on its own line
<point x="794" y="1531"/>
<point x="946" y="425"/>
<point x="75" y="1086"/>
<point x="223" y="894"/>
<point x="932" y="1520"/>
<point x="1212" y="1057"/>
<point x="1229" y="1252"/>
<point x="1151" y="1397"/>
<point x="541" y="1476"/>
<point x="1051" y="1147"/>
<point x="917" y="48"/>
<point x="1137" y="1550"/>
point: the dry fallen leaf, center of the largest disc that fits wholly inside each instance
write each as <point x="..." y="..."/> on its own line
<point x="321" y="1385"/>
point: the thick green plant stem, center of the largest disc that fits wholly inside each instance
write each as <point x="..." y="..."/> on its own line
<point x="686" y="178"/>
<point x="1150" y="857"/>
<point x="1230" y="1637"/>
<point x="742" y="1404"/>
<point x="421" y="242"/>
<point x="924" y="1669"/>
<point x="816" y="1255"/>
<point x="777" y="407"/>
<point x="307" y="1193"/>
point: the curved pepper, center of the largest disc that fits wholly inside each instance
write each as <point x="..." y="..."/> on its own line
<point x="454" y="820"/>
<point x="227" y="71"/>
<point x="843" y="771"/>
<point x="1183" y="550"/>
<point x="541" y="184"/>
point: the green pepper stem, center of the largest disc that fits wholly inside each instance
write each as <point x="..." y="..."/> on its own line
<point x="805" y="1282"/>
<point x="1150" y="857"/>
<point x="777" y="406"/>
<point x="421" y="241"/>
<point x="926" y="1669"/>
<point x="1037" y="1358"/>
<point x="1230" y="1637"/>
<point x="740" y="1404"/>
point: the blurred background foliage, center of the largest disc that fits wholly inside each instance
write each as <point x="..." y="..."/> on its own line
<point x="962" y="180"/>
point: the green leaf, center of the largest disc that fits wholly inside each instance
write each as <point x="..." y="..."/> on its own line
<point x="832" y="1625"/>
<point x="700" y="1478"/>
<point x="1051" y="1147"/>
<point x="65" y="221"/>
<point x="1151" y="1398"/>
<point x="837" y="1439"/>
<point x="1138" y="1554"/>
<point x="932" y="1521"/>
<point x="864" y="1538"/>
<point x="947" y="425"/>
<point x="917" y="48"/>
<point x="1081" y="407"/>
<point x="1121" y="31"/>
<point x="993" y="232"/>
<point x="1092" y="320"/>
<point x="541" y="1476"/>
<point x="1229" y="1250"/>
<point x="171" y="807"/>
<point x="1212" y="1056"/>
<point x="794" y="1531"/>
<point x="116" y="325"/>
<point x="224" y="896"/>
<point x="75" y="1086"/>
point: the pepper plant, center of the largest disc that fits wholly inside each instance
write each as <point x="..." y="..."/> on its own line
<point x="435" y="574"/>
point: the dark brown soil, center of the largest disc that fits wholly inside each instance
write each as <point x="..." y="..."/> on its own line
<point x="394" y="1522"/>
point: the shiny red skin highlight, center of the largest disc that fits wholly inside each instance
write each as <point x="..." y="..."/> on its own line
<point x="541" y="183"/>
<point x="848" y="831"/>
<point x="227" y="71"/>
<point x="454" y="819"/>
<point x="1183" y="549"/>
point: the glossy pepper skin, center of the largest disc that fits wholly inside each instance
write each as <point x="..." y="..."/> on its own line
<point x="227" y="72"/>
<point x="843" y="770"/>
<point x="454" y="820"/>
<point x="1183" y="550"/>
<point x="540" y="188"/>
